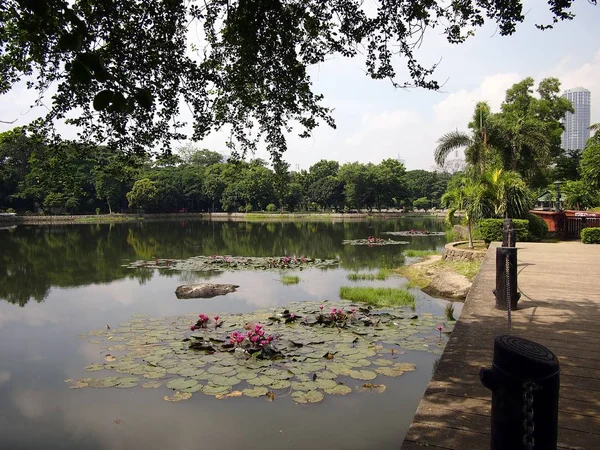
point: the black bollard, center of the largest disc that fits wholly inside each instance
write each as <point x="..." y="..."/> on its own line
<point x="509" y="234"/>
<point x="506" y="278"/>
<point x="524" y="380"/>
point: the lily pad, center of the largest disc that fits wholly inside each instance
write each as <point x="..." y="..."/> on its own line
<point x="94" y="367"/>
<point x="258" y="391"/>
<point x="308" y="397"/>
<point x="127" y="382"/>
<point x="363" y="374"/>
<point x="221" y="380"/>
<point x="214" y="390"/>
<point x="233" y="394"/>
<point x="152" y="384"/>
<point x="181" y="383"/>
<point x="339" y="389"/>
<point x="178" y="396"/>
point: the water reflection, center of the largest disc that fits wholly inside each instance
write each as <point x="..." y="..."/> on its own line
<point x="35" y="258"/>
<point x="75" y="276"/>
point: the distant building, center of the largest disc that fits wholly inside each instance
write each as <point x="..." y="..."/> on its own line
<point x="577" y="125"/>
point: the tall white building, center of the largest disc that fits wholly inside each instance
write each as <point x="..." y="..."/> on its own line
<point x="577" y="125"/>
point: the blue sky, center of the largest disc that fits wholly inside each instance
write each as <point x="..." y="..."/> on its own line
<point x="376" y="121"/>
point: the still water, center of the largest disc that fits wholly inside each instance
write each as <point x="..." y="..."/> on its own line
<point x="57" y="282"/>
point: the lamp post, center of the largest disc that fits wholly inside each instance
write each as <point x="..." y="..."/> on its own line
<point x="557" y="184"/>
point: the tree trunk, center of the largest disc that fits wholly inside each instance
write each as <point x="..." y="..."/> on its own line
<point x="108" y="203"/>
<point x="470" y="233"/>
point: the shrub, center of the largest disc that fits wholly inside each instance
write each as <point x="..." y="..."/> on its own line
<point x="590" y="235"/>
<point x="248" y="208"/>
<point x="97" y="211"/>
<point x="491" y="229"/>
<point x="271" y="207"/>
<point x="11" y="210"/>
<point x="538" y="229"/>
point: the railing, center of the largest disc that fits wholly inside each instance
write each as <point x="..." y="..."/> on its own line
<point x="574" y="225"/>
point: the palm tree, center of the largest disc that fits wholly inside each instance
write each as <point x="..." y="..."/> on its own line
<point x="475" y="144"/>
<point x="507" y="193"/>
<point x="469" y="196"/>
<point x="526" y="144"/>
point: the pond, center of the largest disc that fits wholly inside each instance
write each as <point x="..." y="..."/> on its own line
<point x="59" y="282"/>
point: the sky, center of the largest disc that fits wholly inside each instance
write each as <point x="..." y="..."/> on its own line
<point x="375" y="121"/>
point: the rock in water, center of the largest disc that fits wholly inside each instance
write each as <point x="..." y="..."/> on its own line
<point x="204" y="290"/>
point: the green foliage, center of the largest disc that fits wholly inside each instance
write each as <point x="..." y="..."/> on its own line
<point x="271" y="207"/>
<point x="290" y="279"/>
<point x="424" y="184"/>
<point x="115" y="74"/>
<point x="590" y="163"/>
<point x="449" y="312"/>
<point x="490" y="230"/>
<point x="143" y="194"/>
<point x="538" y="229"/>
<point x="421" y="203"/>
<point x="590" y="235"/>
<point x="420" y="253"/>
<point x="580" y="195"/>
<point x="378" y="296"/>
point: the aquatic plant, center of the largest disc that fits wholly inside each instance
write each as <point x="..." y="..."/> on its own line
<point x="311" y="350"/>
<point x="378" y="296"/>
<point x="372" y="242"/>
<point x="290" y="279"/>
<point x="449" y="312"/>
<point x="215" y="263"/>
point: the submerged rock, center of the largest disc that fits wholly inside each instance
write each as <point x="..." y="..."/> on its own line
<point x="204" y="290"/>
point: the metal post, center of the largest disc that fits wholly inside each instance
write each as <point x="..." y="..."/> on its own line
<point x="525" y="381"/>
<point x="506" y="280"/>
<point x="509" y="234"/>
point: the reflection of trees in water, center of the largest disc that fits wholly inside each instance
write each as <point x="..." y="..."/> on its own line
<point x="34" y="259"/>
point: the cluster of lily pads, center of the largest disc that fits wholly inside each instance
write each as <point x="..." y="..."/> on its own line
<point x="415" y="232"/>
<point x="372" y="241"/>
<point x="215" y="263"/>
<point x="305" y="351"/>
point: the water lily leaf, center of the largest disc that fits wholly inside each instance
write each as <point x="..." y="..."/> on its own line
<point x="214" y="390"/>
<point x="304" y="386"/>
<point x="308" y="397"/>
<point x="280" y="384"/>
<point x="246" y="374"/>
<point x="188" y="371"/>
<point x="77" y="384"/>
<point x="104" y="382"/>
<point x="127" y="382"/>
<point x="360" y="363"/>
<point x="258" y="391"/>
<point x="94" y="367"/>
<point x="369" y="387"/>
<point x="155" y="373"/>
<point x="181" y="383"/>
<point x="324" y="383"/>
<point x="339" y="389"/>
<point x="261" y="381"/>
<point x="327" y="374"/>
<point x="220" y="380"/>
<point x="218" y="370"/>
<point x="383" y="362"/>
<point x="392" y="371"/>
<point x="178" y="396"/>
<point x="363" y="374"/>
<point x="152" y="384"/>
<point x="195" y="388"/>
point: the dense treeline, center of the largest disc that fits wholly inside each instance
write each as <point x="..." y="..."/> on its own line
<point x="72" y="178"/>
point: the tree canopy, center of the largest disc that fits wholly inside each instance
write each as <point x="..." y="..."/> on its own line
<point x="123" y="69"/>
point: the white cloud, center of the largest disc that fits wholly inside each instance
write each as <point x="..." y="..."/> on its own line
<point x="587" y="75"/>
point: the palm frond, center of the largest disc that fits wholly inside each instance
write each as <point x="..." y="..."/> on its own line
<point x="449" y="142"/>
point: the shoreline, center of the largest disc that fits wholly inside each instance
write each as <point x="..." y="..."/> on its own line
<point x="441" y="278"/>
<point x="220" y="217"/>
